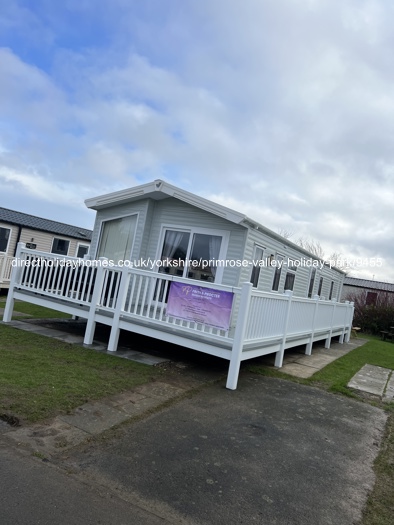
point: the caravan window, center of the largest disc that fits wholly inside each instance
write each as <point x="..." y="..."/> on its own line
<point x="116" y="240"/>
<point x="192" y="254"/>
<point x="4" y="238"/>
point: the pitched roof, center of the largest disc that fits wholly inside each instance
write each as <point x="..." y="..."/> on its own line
<point x="367" y="283"/>
<point x="159" y="190"/>
<point x="37" y="223"/>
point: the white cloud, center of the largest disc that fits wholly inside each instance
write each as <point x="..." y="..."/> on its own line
<point x="283" y="110"/>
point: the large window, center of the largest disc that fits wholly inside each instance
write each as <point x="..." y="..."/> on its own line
<point x="191" y="254"/>
<point x="117" y="236"/>
<point x="257" y="259"/>
<point x="60" y="246"/>
<point x="4" y="239"/>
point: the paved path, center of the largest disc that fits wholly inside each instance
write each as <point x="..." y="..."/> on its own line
<point x="374" y="380"/>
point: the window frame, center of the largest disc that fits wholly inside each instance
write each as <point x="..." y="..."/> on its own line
<point x="320" y="289"/>
<point x="116" y="217"/>
<point x="9" y="238"/>
<point x="79" y="245"/>
<point x="312" y="281"/>
<point x="331" y="290"/>
<point x="256" y="269"/>
<point x="291" y="272"/>
<point x="61" y="239"/>
<point x="371" y="298"/>
<point x="277" y="271"/>
<point x="224" y="234"/>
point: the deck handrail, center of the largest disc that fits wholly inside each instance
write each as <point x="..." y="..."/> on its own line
<point x="260" y="322"/>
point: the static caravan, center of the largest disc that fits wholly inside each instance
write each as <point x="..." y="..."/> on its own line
<point x="163" y="228"/>
<point x="39" y="234"/>
<point x="169" y="264"/>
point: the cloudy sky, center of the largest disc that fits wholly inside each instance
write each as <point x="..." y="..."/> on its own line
<point x="280" y="109"/>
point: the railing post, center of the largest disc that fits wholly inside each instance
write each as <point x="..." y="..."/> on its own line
<point x="342" y="336"/>
<point x="279" y="355"/>
<point x="308" y="350"/>
<point x="2" y="267"/>
<point x="351" y="308"/>
<point x="120" y="301"/>
<point x="15" y="274"/>
<point x="239" y="335"/>
<point x="98" y="284"/>
<point x="327" y="343"/>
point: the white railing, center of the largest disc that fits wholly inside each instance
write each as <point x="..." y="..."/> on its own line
<point x="52" y="276"/>
<point x="5" y="267"/>
<point x="146" y="298"/>
<point x="129" y="296"/>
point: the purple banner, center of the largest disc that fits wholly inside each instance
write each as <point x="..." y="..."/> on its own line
<point x="202" y="305"/>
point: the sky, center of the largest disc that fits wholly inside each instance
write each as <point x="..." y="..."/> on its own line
<point x="280" y="109"/>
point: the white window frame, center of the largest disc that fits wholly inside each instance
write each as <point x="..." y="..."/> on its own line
<point x="61" y="239"/>
<point x="137" y="214"/>
<point x="224" y="234"/>
<point x="82" y="244"/>
<point x="9" y="237"/>
<point x="313" y="269"/>
<point x="332" y="286"/>
<point x="257" y="268"/>
<point x="320" y="286"/>
<point x="292" y="270"/>
<point x="275" y="268"/>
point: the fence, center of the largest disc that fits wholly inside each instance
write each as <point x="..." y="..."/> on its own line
<point x="137" y="300"/>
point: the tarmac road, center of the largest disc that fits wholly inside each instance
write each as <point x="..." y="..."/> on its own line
<point x="271" y="452"/>
<point x="35" y="493"/>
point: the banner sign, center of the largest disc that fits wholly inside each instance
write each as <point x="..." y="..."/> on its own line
<point x="202" y="305"/>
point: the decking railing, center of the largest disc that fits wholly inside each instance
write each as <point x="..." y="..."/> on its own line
<point x="5" y="268"/>
<point x="136" y="300"/>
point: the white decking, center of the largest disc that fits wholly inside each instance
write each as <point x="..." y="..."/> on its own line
<point x="5" y="270"/>
<point x="134" y="300"/>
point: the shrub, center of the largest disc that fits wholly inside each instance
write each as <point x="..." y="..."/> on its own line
<point x="376" y="317"/>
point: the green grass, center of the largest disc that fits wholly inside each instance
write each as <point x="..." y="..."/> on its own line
<point x="335" y="376"/>
<point x="38" y="312"/>
<point x="41" y="377"/>
<point x="33" y="310"/>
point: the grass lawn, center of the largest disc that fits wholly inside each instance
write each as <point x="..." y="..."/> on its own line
<point x="41" y="377"/>
<point x="33" y="310"/>
<point x="334" y="377"/>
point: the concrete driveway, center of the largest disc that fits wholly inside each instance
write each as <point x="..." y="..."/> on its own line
<point x="272" y="452"/>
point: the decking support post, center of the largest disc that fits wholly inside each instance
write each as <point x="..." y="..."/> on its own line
<point x="115" y="330"/>
<point x="280" y="354"/>
<point x="98" y="285"/>
<point x="239" y="336"/>
<point x="15" y="275"/>
<point x="327" y="343"/>
<point x="308" y="350"/>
